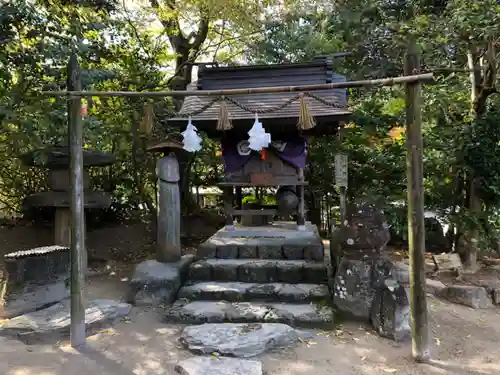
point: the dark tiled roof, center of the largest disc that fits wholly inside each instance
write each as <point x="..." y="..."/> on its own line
<point x="317" y="72"/>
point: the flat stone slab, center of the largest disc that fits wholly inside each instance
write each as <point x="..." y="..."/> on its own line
<point x="259" y="271"/>
<point x="155" y="283"/>
<point x="200" y="312"/>
<point x="276" y="241"/>
<point x="493" y="288"/>
<point x="32" y="297"/>
<point x="56" y="319"/>
<point x="239" y="340"/>
<point x="473" y="296"/>
<point x="435" y="287"/>
<point x="239" y="291"/>
<point x="58" y="157"/>
<point x="218" y="366"/>
<point x="62" y="199"/>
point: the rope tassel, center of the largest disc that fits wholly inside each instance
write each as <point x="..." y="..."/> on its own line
<point x="306" y="119"/>
<point x="223" y="122"/>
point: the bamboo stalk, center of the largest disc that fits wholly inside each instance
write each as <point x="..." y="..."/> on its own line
<point x="423" y="78"/>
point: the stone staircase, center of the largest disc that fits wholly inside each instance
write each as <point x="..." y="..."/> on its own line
<point x="272" y="274"/>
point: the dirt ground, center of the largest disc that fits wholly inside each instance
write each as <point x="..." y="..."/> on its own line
<point x="464" y="341"/>
<point x="125" y="242"/>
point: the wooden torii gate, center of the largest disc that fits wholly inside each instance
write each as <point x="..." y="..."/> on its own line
<point x="415" y="187"/>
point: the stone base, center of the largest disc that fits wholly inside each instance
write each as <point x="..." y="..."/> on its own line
<point x="300" y="315"/>
<point x="239" y="340"/>
<point x="355" y="283"/>
<point x="280" y="240"/>
<point x="218" y="366"/>
<point x="373" y="289"/>
<point x="34" y="279"/>
<point x="155" y="283"/>
<point x="55" y="320"/>
<point x="390" y="313"/>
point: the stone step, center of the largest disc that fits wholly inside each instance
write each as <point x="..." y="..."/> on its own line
<point x="272" y="242"/>
<point x="312" y="315"/>
<point x="259" y="271"/>
<point x="238" y="292"/>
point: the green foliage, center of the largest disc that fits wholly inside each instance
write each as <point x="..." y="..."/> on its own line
<point x="144" y="48"/>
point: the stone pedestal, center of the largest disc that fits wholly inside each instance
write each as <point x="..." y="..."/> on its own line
<point x="169" y="210"/>
<point x="34" y="279"/>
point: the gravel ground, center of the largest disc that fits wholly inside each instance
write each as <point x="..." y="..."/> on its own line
<point x="465" y="341"/>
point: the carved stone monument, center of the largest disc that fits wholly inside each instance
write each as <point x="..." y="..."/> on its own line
<point x="158" y="281"/>
<point x="366" y="284"/>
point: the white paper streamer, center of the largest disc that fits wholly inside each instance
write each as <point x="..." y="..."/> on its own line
<point x="191" y="139"/>
<point x="258" y="139"/>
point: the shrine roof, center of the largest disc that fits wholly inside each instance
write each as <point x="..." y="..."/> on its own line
<point x="318" y="71"/>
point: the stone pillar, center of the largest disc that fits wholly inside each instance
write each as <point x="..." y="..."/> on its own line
<point x="62" y="227"/>
<point x="168" y="246"/>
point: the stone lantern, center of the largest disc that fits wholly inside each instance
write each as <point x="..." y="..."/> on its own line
<point x="57" y="160"/>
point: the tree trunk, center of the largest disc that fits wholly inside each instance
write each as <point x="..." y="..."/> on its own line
<point x="482" y="79"/>
<point x="139" y="184"/>
<point x="187" y="49"/>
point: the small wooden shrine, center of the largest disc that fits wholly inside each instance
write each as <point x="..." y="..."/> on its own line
<point x="289" y="118"/>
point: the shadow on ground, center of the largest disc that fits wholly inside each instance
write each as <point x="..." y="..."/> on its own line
<point x="465" y="341"/>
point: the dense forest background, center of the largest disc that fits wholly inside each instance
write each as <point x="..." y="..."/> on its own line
<point x="155" y="45"/>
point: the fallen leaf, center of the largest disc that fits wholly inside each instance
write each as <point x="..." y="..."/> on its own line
<point x="108" y="330"/>
<point x="438" y="341"/>
<point x="389" y="370"/>
<point x="363" y="358"/>
<point x="355" y="339"/>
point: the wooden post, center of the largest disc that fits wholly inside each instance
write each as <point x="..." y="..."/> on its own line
<point x="169" y="210"/>
<point x="416" y="229"/>
<point x="239" y="201"/>
<point x="301" y="220"/>
<point x="75" y="131"/>
<point x="341" y="182"/>
<point x="343" y="204"/>
<point x="228" y="206"/>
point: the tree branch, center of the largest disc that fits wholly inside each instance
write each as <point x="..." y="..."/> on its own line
<point x="203" y="27"/>
<point x="170" y="24"/>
